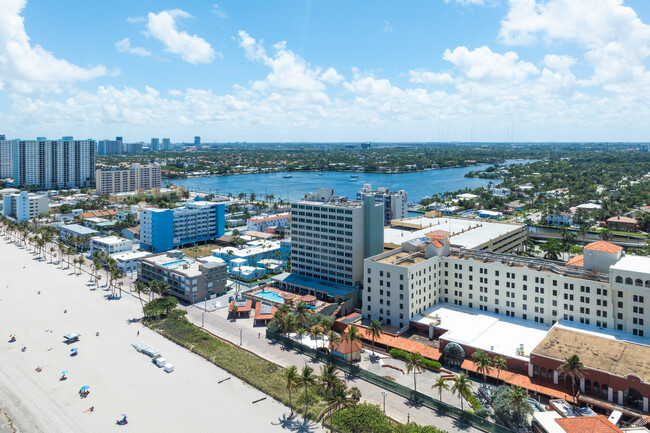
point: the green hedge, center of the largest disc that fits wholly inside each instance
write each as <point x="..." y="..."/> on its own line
<point x="403" y="355"/>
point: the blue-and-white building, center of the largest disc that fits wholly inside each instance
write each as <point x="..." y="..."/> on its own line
<point x="166" y="229"/>
<point x="25" y="206"/>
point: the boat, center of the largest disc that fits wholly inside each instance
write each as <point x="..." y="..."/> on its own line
<point x="287" y="176"/>
<point x="320" y="174"/>
<point x="355" y="176"/>
<point x="352" y="179"/>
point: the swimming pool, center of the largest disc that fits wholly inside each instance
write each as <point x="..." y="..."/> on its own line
<point x="271" y="296"/>
<point x="536" y="406"/>
<point x="177" y="262"/>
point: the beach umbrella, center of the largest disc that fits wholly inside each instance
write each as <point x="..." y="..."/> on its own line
<point x="85" y="387"/>
<point x="124" y="415"/>
<point x="12" y="335"/>
<point x="64" y="372"/>
<point x="74" y="349"/>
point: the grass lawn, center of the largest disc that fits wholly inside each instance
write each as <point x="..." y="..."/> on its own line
<point x="263" y="375"/>
<point x="200" y="250"/>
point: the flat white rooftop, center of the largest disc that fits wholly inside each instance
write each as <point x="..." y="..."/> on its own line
<point x="465" y="233"/>
<point x="110" y="240"/>
<point x="484" y="330"/>
<point x="130" y="255"/>
<point x="632" y="263"/>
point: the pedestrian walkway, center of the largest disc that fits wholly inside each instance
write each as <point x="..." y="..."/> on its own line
<point x="241" y="332"/>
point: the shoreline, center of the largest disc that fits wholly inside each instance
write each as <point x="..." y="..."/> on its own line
<point x="121" y="379"/>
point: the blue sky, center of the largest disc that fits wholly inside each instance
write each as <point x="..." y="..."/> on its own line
<point x="482" y="70"/>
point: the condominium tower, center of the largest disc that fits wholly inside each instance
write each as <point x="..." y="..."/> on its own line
<point x="165" y="229"/>
<point x="395" y="202"/>
<point x="25" y="206"/>
<point x="137" y="177"/>
<point x="52" y="164"/>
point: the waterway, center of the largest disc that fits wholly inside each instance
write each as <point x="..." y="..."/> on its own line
<point x="416" y="184"/>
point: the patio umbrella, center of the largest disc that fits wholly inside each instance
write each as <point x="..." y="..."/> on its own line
<point x="85" y="387"/>
<point x="64" y="372"/>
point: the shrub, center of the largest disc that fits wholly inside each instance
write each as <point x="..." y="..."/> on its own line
<point x="403" y="355"/>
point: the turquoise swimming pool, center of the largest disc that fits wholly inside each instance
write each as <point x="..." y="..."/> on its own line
<point x="271" y="296"/>
<point x="177" y="262"/>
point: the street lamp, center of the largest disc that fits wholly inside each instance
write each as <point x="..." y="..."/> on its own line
<point x="305" y="359"/>
<point x="384" y="394"/>
<point x="240" y="335"/>
<point x="202" y="319"/>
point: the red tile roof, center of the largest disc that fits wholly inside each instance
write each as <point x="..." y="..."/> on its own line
<point x="522" y="380"/>
<point x="260" y="316"/>
<point x="344" y="346"/>
<point x="391" y="341"/>
<point x="588" y="424"/>
<point x="437" y="244"/>
<point x="247" y="308"/>
<point x="98" y="213"/>
<point x="604" y="247"/>
<point x="621" y="219"/>
<point x="577" y="261"/>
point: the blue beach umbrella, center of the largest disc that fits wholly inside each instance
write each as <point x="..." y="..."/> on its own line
<point x="74" y="349"/>
<point x="64" y="372"/>
<point x="85" y="387"/>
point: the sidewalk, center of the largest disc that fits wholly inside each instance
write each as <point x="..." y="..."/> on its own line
<point x="397" y="407"/>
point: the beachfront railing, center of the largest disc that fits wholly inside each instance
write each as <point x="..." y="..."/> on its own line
<point x="415" y="396"/>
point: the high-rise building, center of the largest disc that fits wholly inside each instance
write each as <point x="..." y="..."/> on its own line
<point x="155" y="144"/>
<point x="25" y="206"/>
<point x="133" y="147"/>
<point x="54" y="164"/>
<point x="603" y="287"/>
<point x="330" y="238"/>
<point x="137" y="177"/>
<point x="165" y="229"/>
<point x="166" y="144"/>
<point x="6" y="159"/>
<point x="109" y="147"/>
<point x="395" y="202"/>
<point x="197" y="140"/>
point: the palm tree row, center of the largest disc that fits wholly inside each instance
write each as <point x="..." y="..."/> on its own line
<point x="328" y="385"/>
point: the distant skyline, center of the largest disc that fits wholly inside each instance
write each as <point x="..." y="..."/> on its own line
<point x="327" y="71"/>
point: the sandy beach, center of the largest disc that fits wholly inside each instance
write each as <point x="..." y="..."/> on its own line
<point x="121" y="380"/>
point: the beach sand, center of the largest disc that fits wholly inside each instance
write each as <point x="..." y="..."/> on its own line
<point x="121" y="380"/>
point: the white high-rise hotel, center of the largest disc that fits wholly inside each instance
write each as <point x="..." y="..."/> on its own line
<point x="604" y="287"/>
<point x="49" y="164"/>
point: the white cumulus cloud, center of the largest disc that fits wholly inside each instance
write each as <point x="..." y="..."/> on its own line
<point x="427" y="77"/>
<point x="559" y="62"/>
<point x="192" y="48"/>
<point x="25" y="67"/>
<point x="124" y="46"/>
<point x="484" y="64"/>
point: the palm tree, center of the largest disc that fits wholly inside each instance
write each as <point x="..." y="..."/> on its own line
<point x="440" y="384"/>
<point x="52" y="249"/>
<point x="518" y="398"/>
<point x="341" y="399"/>
<point x="316" y="332"/>
<point x="301" y="333"/>
<point x="62" y="249"/>
<point x="353" y="334"/>
<point x="606" y="235"/>
<point x="414" y="363"/>
<point x="500" y="363"/>
<point x="333" y="338"/>
<point x="573" y="368"/>
<point x="307" y="379"/>
<point x="140" y="288"/>
<point x="81" y="262"/>
<point x="482" y="361"/>
<point x="374" y="331"/>
<point x="328" y="378"/>
<point x="461" y="386"/>
<point x="290" y="324"/>
<point x="292" y="379"/>
<point x="302" y="310"/>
